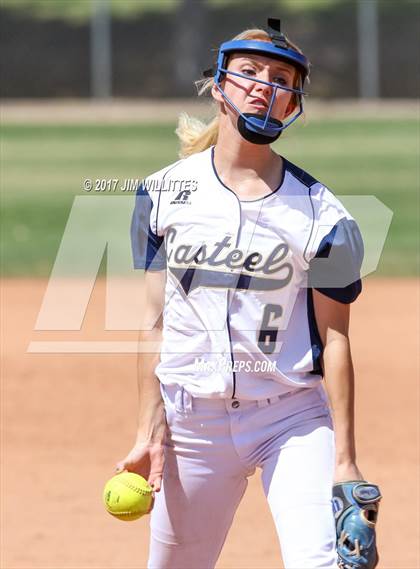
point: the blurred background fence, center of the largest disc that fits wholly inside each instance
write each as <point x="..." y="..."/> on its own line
<point x="140" y="55"/>
<point x="49" y="48"/>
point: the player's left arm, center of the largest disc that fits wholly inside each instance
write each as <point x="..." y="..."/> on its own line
<point x="333" y="324"/>
<point x="355" y="501"/>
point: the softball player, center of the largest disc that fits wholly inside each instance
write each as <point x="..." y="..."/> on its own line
<point x="253" y="264"/>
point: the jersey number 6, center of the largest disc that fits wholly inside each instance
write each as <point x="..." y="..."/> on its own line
<point x="267" y="335"/>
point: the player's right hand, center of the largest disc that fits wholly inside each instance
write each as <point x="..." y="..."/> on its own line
<point x="146" y="459"/>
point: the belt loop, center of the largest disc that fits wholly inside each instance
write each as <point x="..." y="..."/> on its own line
<point x="179" y="403"/>
<point x="187" y="400"/>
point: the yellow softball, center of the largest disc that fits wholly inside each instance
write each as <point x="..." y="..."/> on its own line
<point x="127" y="496"/>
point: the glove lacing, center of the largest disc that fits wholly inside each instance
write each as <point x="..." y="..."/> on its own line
<point x="357" y="547"/>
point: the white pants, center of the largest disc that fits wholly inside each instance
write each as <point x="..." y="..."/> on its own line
<point x="214" y="445"/>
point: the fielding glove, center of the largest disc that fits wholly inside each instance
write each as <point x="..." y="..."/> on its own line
<point x="355" y="505"/>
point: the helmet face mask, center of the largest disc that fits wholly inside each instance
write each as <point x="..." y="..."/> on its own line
<point x="262" y="128"/>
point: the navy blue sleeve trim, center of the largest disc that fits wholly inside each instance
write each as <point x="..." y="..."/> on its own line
<point x="335" y="268"/>
<point x="345" y="295"/>
<point x="148" y="248"/>
<point x="306" y="179"/>
<point x="316" y="342"/>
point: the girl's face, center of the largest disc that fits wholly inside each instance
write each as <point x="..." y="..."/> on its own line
<point x="253" y="97"/>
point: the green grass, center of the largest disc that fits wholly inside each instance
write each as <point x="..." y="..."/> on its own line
<point x="43" y="168"/>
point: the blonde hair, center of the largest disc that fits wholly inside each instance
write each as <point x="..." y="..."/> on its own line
<point x="195" y="135"/>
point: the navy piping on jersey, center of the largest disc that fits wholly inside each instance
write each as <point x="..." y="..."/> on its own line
<point x="345" y="294"/>
<point x="232" y="358"/>
<point x="230" y="190"/>
<point x="237" y="243"/>
<point x="312" y="225"/>
<point x="316" y="342"/>
<point x="308" y="181"/>
<point x="238" y="237"/>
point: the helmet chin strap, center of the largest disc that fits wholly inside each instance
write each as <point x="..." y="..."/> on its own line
<point x="256" y="129"/>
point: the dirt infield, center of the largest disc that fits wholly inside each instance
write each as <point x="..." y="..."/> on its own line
<point x="66" y="419"/>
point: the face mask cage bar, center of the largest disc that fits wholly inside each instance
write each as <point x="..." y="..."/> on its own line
<point x="223" y="71"/>
<point x="277" y="50"/>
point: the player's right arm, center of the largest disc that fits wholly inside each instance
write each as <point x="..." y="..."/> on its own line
<point x="146" y="457"/>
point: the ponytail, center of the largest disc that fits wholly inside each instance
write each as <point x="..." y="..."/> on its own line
<point x="196" y="136"/>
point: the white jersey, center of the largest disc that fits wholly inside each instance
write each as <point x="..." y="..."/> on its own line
<point x="239" y="318"/>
